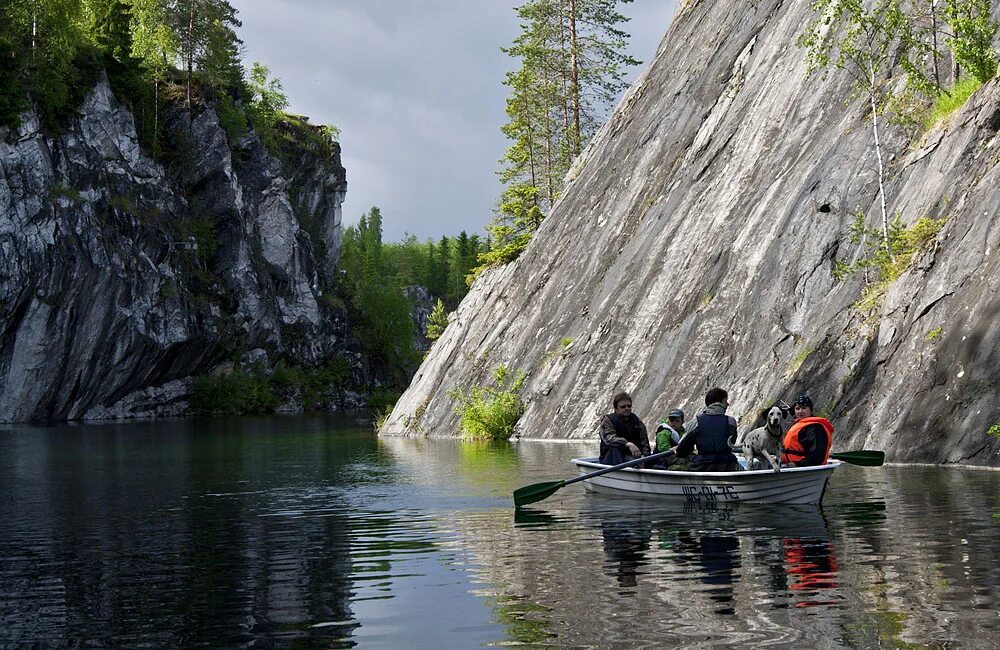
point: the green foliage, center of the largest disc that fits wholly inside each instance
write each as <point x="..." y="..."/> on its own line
<point x="798" y="360"/>
<point x="203" y="231"/>
<point x="972" y="36"/>
<point x="311" y="384"/>
<point x="490" y="412"/>
<point x="381" y="415"/>
<point x="994" y="430"/>
<point x="235" y="392"/>
<point x="259" y="392"/>
<point x="232" y="118"/>
<point x="951" y="101"/>
<point x="441" y="267"/>
<point x="881" y="267"/>
<point x="572" y="67"/>
<point x="267" y="104"/>
<point x="381" y="312"/>
<point x="383" y="398"/>
<point x="295" y="134"/>
<point x="934" y="334"/>
<point x="869" y="39"/>
<point x="437" y="321"/>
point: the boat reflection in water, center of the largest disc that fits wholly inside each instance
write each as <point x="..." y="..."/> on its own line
<point x="710" y="549"/>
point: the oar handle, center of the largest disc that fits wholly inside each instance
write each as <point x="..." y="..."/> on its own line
<point x="635" y="461"/>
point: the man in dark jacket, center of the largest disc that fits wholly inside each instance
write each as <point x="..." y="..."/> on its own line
<point x="623" y="435"/>
<point x="711" y="431"/>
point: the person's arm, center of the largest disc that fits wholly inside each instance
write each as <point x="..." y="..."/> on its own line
<point x="813" y="439"/>
<point x="732" y="431"/>
<point x="609" y="436"/>
<point x="686" y="445"/>
<point x="675" y="437"/>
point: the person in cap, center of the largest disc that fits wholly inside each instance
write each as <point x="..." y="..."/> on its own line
<point x="623" y="434"/>
<point x="807" y="442"/>
<point x="670" y="431"/>
<point x="668" y="435"/>
<point x="712" y="432"/>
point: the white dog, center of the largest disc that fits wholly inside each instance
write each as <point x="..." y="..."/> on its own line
<point x="765" y="442"/>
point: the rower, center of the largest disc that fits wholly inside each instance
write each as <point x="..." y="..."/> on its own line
<point x="712" y="432"/>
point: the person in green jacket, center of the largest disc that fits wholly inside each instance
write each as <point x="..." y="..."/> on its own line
<point x="668" y="434"/>
<point x="670" y="431"/>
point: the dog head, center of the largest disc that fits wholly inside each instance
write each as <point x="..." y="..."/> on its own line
<point x="775" y="420"/>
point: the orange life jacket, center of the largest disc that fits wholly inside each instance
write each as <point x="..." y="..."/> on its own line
<point x="794" y="451"/>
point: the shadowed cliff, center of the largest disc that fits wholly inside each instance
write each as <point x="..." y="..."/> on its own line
<point x="695" y="245"/>
<point x="122" y="277"/>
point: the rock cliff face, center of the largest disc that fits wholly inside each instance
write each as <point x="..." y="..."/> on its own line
<point x="695" y="245"/>
<point x="106" y="307"/>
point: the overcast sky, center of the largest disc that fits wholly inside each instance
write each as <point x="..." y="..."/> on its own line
<point x="415" y="88"/>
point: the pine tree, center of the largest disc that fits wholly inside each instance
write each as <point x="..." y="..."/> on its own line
<point x="437" y="321"/>
<point x="206" y="34"/>
<point x="573" y="63"/>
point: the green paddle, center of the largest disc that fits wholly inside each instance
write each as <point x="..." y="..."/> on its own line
<point x="538" y="491"/>
<point x="861" y="457"/>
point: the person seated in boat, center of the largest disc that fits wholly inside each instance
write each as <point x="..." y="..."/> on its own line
<point x="807" y="442"/>
<point x="668" y="435"/>
<point x="623" y="435"/>
<point x="711" y="432"/>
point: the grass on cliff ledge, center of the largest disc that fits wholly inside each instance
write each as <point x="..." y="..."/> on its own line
<point x="879" y="268"/>
<point x="490" y="412"/>
<point x="951" y="101"/>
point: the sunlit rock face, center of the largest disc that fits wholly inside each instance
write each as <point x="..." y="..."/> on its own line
<point x="695" y="246"/>
<point x="105" y="309"/>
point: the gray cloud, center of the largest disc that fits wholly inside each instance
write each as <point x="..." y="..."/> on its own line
<point x="415" y="87"/>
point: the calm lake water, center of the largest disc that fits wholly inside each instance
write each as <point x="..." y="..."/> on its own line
<point x="309" y="531"/>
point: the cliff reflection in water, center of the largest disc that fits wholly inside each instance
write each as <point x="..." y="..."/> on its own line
<point x="173" y="534"/>
<point x="301" y="531"/>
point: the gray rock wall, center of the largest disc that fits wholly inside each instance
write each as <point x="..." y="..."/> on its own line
<point x="695" y="246"/>
<point x="103" y="309"/>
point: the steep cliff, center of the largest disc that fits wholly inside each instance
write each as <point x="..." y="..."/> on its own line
<point x="696" y="242"/>
<point x="121" y="277"/>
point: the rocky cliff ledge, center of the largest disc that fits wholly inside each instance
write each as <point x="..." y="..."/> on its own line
<point x="696" y="244"/>
<point x="121" y="277"/>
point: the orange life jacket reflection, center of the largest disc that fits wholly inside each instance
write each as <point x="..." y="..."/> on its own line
<point x="811" y="564"/>
<point x="794" y="451"/>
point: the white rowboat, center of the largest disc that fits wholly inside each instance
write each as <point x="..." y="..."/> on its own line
<point x="793" y="485"/>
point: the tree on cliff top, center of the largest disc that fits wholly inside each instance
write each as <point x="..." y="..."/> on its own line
<point x="573" y="62"/>
<point x="868" y="39"/>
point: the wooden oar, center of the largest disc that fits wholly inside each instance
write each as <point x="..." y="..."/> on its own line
<point x="864" y="457"/>
<point x="538" y="491"/>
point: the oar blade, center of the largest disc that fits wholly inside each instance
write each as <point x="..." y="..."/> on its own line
<point x="864" y="457"/>
<point x="534" y="493"/>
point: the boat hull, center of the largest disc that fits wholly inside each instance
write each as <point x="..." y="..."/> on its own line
<point x="792" y="485"/>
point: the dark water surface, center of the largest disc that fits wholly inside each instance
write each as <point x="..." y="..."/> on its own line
<point x="310" y="532"/>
